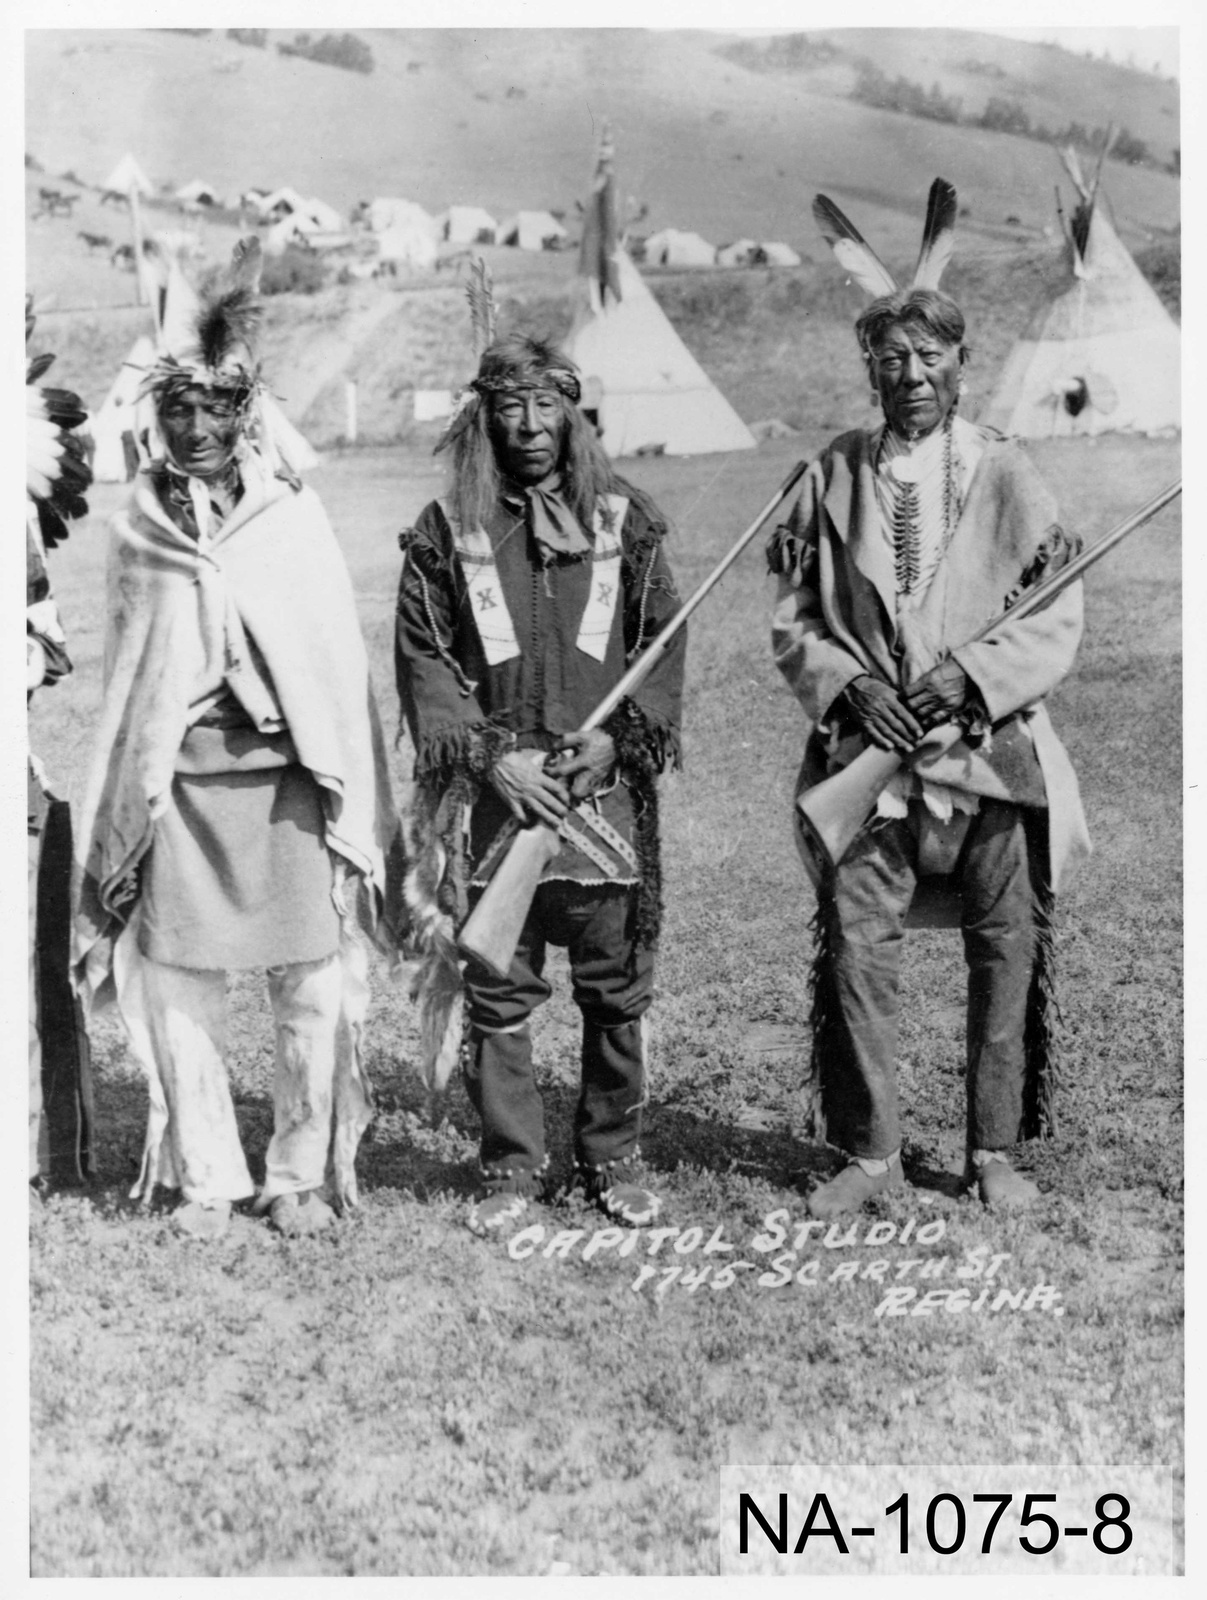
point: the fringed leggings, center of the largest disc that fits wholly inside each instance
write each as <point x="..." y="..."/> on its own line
<point x="862" y="910"/>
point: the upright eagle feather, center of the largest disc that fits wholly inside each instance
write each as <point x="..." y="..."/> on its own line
<point x="227" y="323"/>
<point x="851" y="250"/>
<point x="938" y="235"/>
<point x="480" y="293"/>
<point x="230" y="321"/>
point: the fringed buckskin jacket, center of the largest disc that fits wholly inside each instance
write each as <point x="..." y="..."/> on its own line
<point x="836" y="617"/>
<point x="504" y="644"/>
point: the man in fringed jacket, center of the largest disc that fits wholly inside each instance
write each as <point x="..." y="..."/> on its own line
<point x="906" y="540"/>
<point x="523" y="597"/>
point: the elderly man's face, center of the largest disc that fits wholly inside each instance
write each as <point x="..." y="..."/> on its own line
<point x="201" y="427"/>
<point x="917" y="376"/>
<point x="527" y="431"/>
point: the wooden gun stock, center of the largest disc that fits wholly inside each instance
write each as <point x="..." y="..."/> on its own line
<point x="492" y="931"/>
<point x="834" y="810"/>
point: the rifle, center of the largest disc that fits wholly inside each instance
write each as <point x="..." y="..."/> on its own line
<point x="492" y="931"/>
<point x="834" y="810"/>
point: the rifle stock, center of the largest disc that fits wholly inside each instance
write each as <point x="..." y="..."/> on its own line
<point x="492" y="931"/>
<point x="832" y="812"/>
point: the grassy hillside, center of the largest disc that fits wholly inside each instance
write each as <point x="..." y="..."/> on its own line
<point x="1053" y="86"/>
<point x="777" y="343"/>
<point x="508" y="118"/>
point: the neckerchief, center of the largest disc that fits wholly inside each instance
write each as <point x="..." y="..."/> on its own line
<point x="553" y="523"/>
<point x="188" y="502"/>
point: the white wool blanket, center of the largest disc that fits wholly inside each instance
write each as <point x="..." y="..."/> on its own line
<point x="178" y="609"/>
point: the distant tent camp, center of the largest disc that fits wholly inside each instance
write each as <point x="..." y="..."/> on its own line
<point x="533" y="230"/>
<point x="638" y="376"/>
<point x="281" y="202"/>
<point x="741" y="253"/>
<point x="198" y="193"/>
<point x="749" y="253"/>
<point x="467" y="225"/>
<point x="1104" y="355"/>
<point x="775" y="254"/>
<point x="384" y="214"/>
<point x="673" y="248"/>
<point x="408" y="244"/>
<point x="127" y="175"/>
<point x="405" y="233"/>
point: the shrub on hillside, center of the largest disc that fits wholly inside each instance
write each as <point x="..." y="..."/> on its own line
<point x="332" y="50"/>
<point x="295" y="271"/>
<point x="257" y="38"/>
<point x="1005" y="116"/>
<point x="790" y="52"/>
<point x="1130" y="149"/>
<point x="875" y="88"/>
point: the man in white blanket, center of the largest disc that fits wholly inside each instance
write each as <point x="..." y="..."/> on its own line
<point x="238" y="812"/>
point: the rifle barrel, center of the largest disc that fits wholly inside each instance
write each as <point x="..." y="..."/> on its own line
<point x="645" y="661"/>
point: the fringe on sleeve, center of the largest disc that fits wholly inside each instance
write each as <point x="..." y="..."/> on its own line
<point x="644" y="748"/>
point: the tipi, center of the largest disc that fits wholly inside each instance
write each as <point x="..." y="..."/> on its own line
<point x="1105" y="355"/>
<point x="127" y="175"/>
<point x="649" y="391"/>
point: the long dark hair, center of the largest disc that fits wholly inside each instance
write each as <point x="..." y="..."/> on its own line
<point x="586" y="472"/>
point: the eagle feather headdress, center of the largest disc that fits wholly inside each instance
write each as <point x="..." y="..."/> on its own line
<point x="214" y="344"/>
<point x="57" y="467"/>
<point x="856" y="256"/>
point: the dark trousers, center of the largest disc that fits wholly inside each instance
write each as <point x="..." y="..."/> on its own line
<point x="612" y="984"/>
<point x="871" y="890"/>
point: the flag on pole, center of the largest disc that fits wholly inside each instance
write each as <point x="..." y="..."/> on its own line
<point x="597" y="254"/>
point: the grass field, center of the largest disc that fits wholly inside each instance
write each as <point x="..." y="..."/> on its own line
<point x="397" y="1397"/>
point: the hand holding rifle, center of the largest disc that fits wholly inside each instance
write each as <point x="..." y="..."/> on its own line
<point x="492" y="931"/>
<point x="832" y="812"/>
<point x="532" y="790"/>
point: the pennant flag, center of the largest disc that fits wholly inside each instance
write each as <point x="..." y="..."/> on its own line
<point x="597" y="255"/>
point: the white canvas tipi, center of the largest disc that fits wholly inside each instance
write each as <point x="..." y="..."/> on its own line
<point x="650" y="393"/>
<point x="115" y="426"/>
<point x="127" y="175"/>
<point x="1104" y="356"/>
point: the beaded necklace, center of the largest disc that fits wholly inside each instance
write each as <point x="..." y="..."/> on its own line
<point x="914" y="556"/>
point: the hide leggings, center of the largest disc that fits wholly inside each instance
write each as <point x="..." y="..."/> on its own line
<point x="863" y="933"/>
<point x="176" y="1019"/>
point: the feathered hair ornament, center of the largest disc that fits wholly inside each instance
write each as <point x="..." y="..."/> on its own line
<point x="856" y="256"/>
<point x="512" y="364"/>
<point x="57" y="465"/>
<point x="219" y="352"/>
<point x="483" y="320"/>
